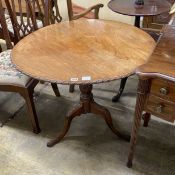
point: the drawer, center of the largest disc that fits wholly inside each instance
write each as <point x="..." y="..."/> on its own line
<point x="164" y="89"/>
<point x="160" y="108"/>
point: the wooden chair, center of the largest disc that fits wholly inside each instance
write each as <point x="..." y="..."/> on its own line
<point x="73" y="16"/>
<point x="8" y="20"/>
<point x="10" y="78"/>
<point x="25" y="20"/>
<point x="78" y="9"/>
<point x="20" y="23"/>
<point x="39" y="7"/>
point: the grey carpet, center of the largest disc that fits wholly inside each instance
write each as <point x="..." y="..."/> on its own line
<point x="90" y="147"/>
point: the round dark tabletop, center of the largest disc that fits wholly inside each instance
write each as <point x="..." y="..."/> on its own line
<point x="150" y="8"/>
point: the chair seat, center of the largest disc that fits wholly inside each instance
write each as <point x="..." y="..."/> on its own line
<point x="9" y="75"/>
<point x="10" y="26"/>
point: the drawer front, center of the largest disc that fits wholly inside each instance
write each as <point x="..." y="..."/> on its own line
<point x="164" y="89"/>
<point x="161" y="108"/>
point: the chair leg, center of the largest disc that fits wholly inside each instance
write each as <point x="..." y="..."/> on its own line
<point x="55" y="89"/>
<point x="146" y="117"/>
<point x="122" y="86"/>
<point x="28" y="95"/>
<point x="71" y="88"/>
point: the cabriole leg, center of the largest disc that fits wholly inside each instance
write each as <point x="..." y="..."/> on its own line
<point x="86" y="105"/>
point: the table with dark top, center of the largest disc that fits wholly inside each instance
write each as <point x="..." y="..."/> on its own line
<point x="150" y="8"/>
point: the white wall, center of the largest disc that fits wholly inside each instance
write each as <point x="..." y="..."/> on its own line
<point x="105" y="12"/>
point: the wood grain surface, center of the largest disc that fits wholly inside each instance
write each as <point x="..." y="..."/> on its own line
<point x="167" y="111"/>
<point x="150" y="8"/>
<point x="83" y="51"/>
<point x="157" y="84"/>
<point x="162" y="61"/>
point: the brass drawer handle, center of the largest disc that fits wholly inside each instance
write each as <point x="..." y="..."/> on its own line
<point x="159" y="108"/>
<point x="164" y="90"/>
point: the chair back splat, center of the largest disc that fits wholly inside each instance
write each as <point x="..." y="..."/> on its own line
<point x="4" y="28"/>
<point x="29" y="15"/>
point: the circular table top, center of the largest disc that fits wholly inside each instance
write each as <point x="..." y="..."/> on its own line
<point x="150" y="8"/>
<point x="83" y="51"/>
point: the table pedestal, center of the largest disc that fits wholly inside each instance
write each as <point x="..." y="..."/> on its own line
<point x="87" y="105"/>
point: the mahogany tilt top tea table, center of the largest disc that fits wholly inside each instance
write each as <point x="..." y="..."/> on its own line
<point x="150" y="8"/>
<point x="83" y="52"/>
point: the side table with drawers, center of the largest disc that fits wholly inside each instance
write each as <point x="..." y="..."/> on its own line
<point x="156" y="89"/>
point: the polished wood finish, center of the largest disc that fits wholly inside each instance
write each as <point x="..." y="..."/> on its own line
<point x="87" y="105"/>
<point x="163" y="89"/>
<point x="127" y="7"/>
<point x="150" y="8"/>
<point x="107" y="53"/>
<point x="156" y="87"/>
<point x="46" y="15"/>
<point x="164" y="56"/>
<point x="84" y="13"/>
<point x="160" y="108"/>
<point x="96" y="51"/>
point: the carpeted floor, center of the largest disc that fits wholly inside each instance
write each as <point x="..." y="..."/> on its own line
<point x="90" y="148"/>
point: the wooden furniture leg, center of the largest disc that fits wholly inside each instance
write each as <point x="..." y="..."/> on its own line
<point x="143" y="89"/>
<point x="28" y="96"/>
<point x="87" y="105"/>
<point x="71" y="88"/>
<point x="55" y="89"/>
<point x="105" y="114"/>
<point x="137" y="21"/>
<point x="146" y="117"/>
<point x="122" y="86"/>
